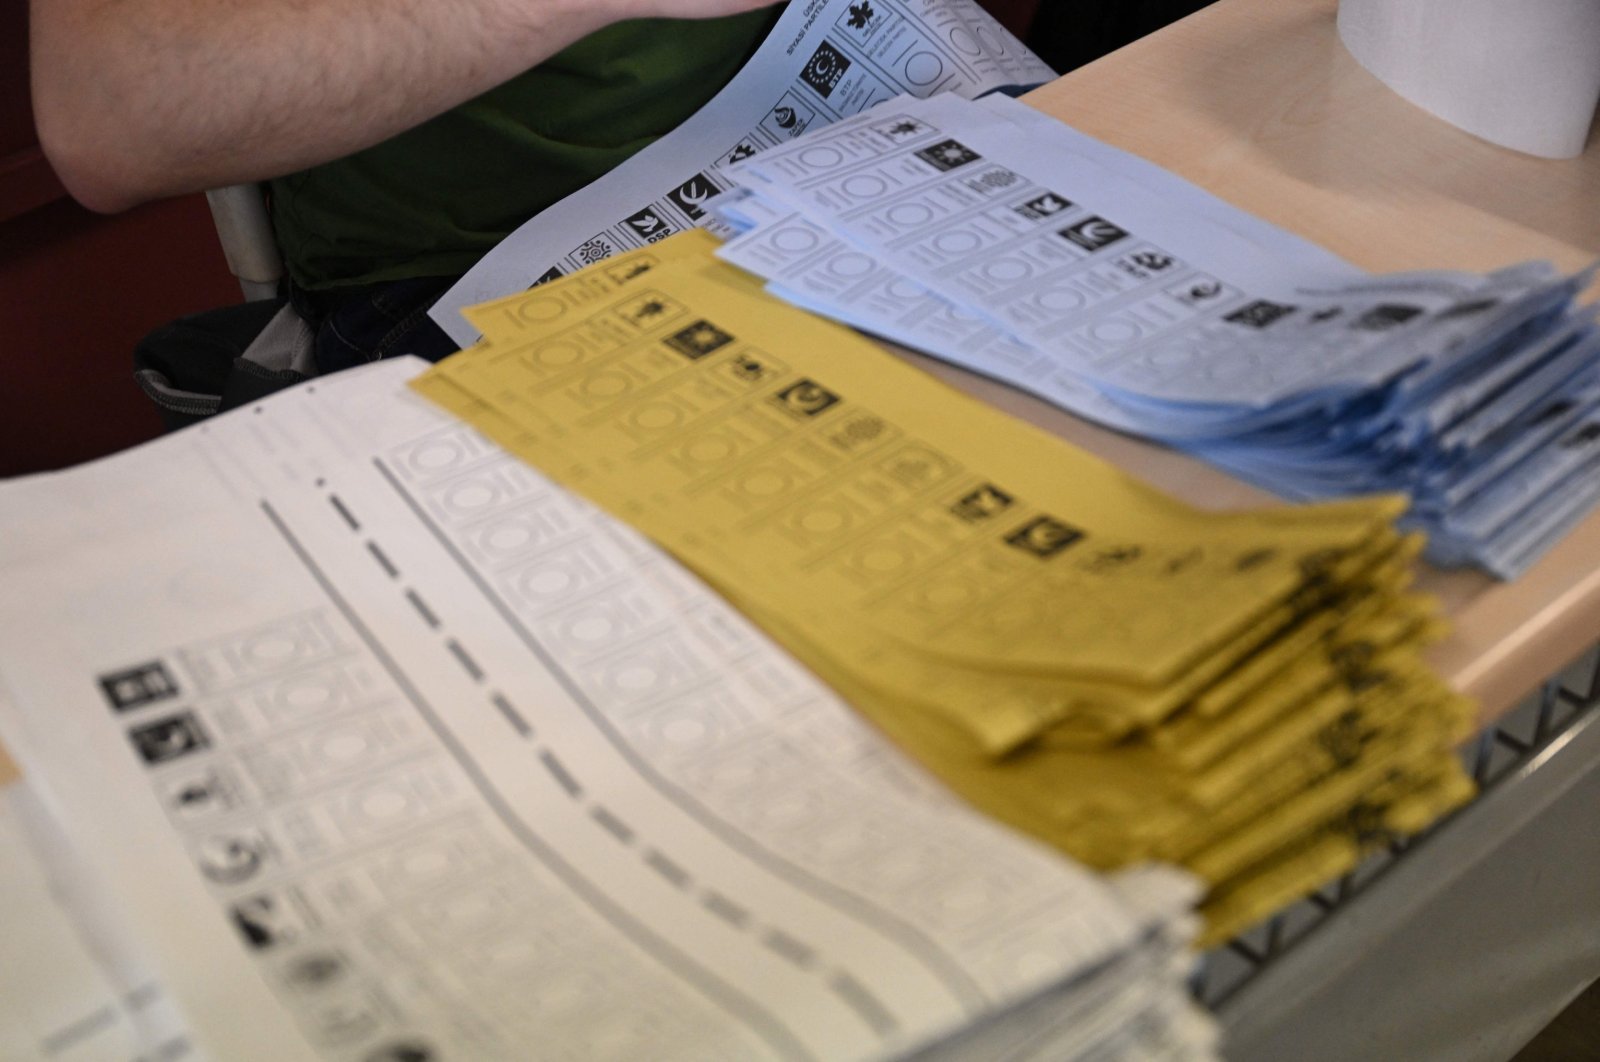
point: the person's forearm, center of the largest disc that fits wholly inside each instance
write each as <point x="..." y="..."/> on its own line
<point x="138" y="99"/>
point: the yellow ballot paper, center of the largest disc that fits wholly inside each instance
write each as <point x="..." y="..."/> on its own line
<point x="1080" y="655"/>
<point x="507" y="320"/>
<point x="902" y="512"/>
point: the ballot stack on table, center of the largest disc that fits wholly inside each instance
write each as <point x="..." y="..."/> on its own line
<point x="1097" y="664"/>
<point x="355" y="738"/>
<point x="994" y="237"/>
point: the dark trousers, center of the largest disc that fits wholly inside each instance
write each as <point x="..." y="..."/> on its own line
<point x="195" y="366"/>
<point x="371" y="323"/>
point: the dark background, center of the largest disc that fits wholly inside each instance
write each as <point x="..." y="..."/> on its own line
<point x="1070" y="33"/>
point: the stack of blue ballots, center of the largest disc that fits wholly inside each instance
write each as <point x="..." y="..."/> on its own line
<point x="989" y="235"/>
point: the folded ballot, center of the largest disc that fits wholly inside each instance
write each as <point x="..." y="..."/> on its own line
<point x="989" y="235"/>
<point x="1081" y="656"/>
<point x="380" y="745"/>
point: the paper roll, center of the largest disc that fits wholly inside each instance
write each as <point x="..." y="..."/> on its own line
<point x="1524" y="74"/>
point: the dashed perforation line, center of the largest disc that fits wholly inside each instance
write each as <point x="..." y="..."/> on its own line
<point x="559" y="772"/>
<point x="736" y="915"/>
<point x="422" y="609"/>
<point x="612" y="824"/>
<point x="756" y="1017"/>
<point x="143" y="996"/>
<point x="343" y="511"/>
<point x="383" y="560"/>
<point x="512" y="716"/>
<point x="667" y="868"/>
<point x="464" y="658"/>
<point x="780" y="943"/>
<point x="795" y="951"/>
<point x="864" y="1003"/>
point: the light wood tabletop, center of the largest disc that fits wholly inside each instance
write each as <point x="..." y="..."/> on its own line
<point x="1258" y="102"/>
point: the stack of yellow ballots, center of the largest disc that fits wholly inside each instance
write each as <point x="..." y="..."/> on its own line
<point x="1098" y="664"/>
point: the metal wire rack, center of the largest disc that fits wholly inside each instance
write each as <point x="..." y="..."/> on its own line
<point x="1539" y="724"/>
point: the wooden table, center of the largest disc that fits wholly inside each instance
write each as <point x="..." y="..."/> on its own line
<point x="1258" y="102"/>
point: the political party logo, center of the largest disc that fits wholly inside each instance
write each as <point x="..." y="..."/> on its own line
<point x="1043" y="206"/>
<point x="1093" y="233"/>
<point x="858" y="431"/>
<point x="1383" y="317"/>
<point x="1043" y="537"/>
<point x="698" y="340"/>
<point x="634" y="267"/>
<point x="650" y="310"/>
<point x="1145" y="264"/>
<point x="1155" y="261"/>
<point x="169" y="739"/>
<point x="1198" y="291"/>
<point x="805" y="398"/>
<point x="996" y="179"/>
<point x="863" y="18"/>
<point x="316" y="971"/>
<point x="947" y="155"/>
<point x="788" y="118"/>
<point x="749" y="370"/>
<point x="690" y="196"/>
<point x="596" y="249"/>
<point x="902" y="129"/>
<point x="138" y="686"/>
<point x="824" y="69"/>
<point x="649" y="225"/>
<point x="200" y="794"/>
<point x="1259" y="314"/>
<point x="266" y="921"/>
<point x="746" y="148"/>
<point x="984" y="503"/>
<point x="231" y="858"/>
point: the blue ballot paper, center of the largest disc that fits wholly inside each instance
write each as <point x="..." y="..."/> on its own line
<point x="991" y="236"/>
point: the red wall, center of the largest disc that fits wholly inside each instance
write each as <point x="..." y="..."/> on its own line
<point x="77" y="290"/>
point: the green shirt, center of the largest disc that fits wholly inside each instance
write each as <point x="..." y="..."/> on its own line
<point x="433" y="200"/>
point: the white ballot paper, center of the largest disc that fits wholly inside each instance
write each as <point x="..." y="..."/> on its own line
<point x="390" y="749"/>
<point x="824" y="60"/>
<point x="59" y="1000"/>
